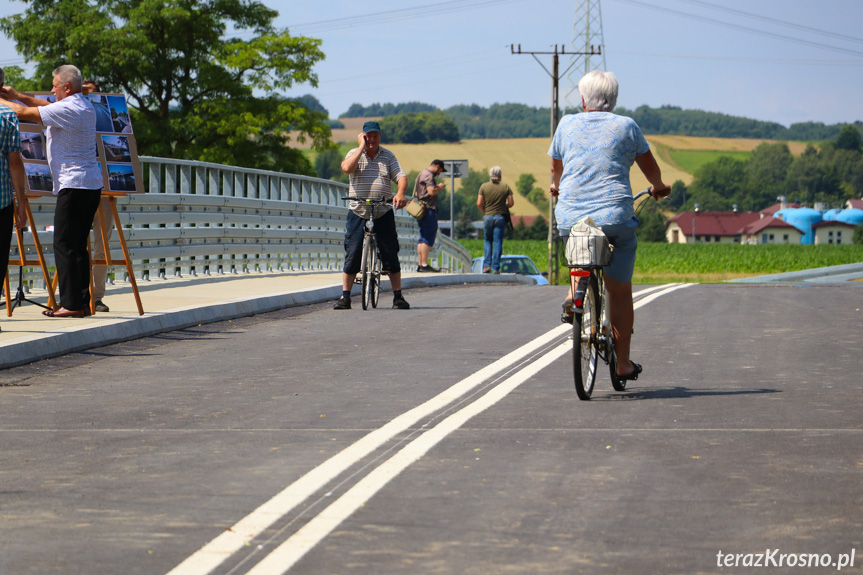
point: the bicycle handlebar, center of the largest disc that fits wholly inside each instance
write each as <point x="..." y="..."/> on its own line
<point x="648" y="191"/>
<point x="369" y="201"/>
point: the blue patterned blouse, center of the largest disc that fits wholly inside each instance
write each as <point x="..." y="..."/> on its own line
<point x="597" y="150"/>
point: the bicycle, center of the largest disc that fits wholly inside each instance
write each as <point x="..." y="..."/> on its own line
<point x="370" y="266"/>
<point x="592" y="337"/>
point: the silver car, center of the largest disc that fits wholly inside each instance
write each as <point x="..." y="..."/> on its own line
<point x="521" y="265"/>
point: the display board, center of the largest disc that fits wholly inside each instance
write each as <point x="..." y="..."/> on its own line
<point x="115" y="148"/>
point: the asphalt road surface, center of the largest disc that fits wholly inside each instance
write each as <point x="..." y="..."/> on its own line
<point x="447" y="439"/>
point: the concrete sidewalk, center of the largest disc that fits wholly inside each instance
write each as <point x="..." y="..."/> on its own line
<point x="175" y="303"/>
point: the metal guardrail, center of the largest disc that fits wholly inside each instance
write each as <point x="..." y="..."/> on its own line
<point x="199" y="218"/>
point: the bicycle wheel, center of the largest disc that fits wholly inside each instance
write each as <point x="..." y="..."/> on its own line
<point x="585" y="326"/>
<point x="375" y="285"/>
<point x="364" y="270"/>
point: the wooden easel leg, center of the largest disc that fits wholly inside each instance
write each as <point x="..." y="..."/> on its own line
<point x="127" y="259"/>
<point x="52" y="302"/>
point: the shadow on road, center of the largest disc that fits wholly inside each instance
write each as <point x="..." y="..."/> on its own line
<point x="681" y="392"/>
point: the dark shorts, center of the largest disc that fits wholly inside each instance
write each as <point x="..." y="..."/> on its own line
<point x="623" y="238"/>
<point x="385" y="233"/>
<point x="428" y="228"/>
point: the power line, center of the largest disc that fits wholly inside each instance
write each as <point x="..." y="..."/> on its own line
<point x="741" y="27"/>
<point x="387" y="16"/>
<point x="775" y="21"/>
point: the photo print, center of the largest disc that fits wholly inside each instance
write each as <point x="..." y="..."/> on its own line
<point x="119" y="114"/>
<point x="117" y="148"/>
<point x="121" y="178"/>
<point x="103" y="113"/>
<point x="38" y="177"/>
<point x="33" y="146"/>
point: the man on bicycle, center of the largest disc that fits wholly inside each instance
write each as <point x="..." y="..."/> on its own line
<point x="372" y="170"/>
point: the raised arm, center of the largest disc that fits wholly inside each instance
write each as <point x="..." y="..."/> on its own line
<point x="349" y="164"/>
<point x="647" y="163"/>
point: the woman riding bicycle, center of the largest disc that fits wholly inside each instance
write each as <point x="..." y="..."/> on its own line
<point x="591" y="155"/>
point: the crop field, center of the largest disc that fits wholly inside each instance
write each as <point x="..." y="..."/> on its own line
<point x="703" y="263"/>
<point x="678" y="156"/>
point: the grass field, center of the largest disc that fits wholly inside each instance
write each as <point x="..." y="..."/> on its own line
<point x="659" y="263"/>
<point x="678" y="156"/>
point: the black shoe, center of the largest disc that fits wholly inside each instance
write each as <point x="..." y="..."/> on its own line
<point x="343" y="303"/>
<point x="100" y="307"/>
<point x="400" y="303"/>
<point x="427" y="269"/>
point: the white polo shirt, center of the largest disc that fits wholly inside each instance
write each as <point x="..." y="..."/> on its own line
<point x="71" y="128"/>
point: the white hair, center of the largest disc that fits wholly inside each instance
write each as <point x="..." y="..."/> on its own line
<point x="599" y="90"/>
<point x="494" y="173"/>
<point x="71" y="75"/>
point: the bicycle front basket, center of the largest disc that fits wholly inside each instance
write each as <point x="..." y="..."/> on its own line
<point x="587" y="246"/>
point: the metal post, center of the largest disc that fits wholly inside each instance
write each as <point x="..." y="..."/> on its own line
<point x="452" y="203"/>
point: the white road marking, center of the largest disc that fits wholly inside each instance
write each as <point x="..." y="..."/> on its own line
<point x="283" y="557"/>
<point x="240" y="534"/>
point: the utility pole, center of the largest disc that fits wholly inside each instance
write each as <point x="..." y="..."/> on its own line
<point x="553" y="235"/>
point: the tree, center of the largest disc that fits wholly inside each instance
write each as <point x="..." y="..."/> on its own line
<point x="766" y="176"/>
<point x="857" y="238"/>
<point x="849" y="139"/>
<point x="328" y="165"/>
<point x="192" y="88"/>
<point x="678" y="194"/>
<point x="524" y="184"/>
<point x="651" y="226"/>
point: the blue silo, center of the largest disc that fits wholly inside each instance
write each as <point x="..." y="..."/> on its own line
<point x="851" y="216"/>
<point x="803" y="219"/>
<point x="831" y="214"/>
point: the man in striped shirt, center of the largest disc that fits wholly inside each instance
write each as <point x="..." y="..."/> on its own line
<point x="372" y="170"/>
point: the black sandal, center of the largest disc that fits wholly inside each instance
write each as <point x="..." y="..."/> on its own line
<point x="632" y="376"/>
<point x="567" y="315"/>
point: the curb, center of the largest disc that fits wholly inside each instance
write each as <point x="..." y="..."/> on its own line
<point x="73" y="339"/>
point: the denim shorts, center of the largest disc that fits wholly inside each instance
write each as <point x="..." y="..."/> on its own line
<point x="428" y="228"/>
<point x="387" y="238"/>
<point x="622" y="237"/>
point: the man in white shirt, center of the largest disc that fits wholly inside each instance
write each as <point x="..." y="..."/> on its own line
<point x="77" y="176"/>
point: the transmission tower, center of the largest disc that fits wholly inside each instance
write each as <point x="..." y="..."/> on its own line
<point x="586" y="39"/>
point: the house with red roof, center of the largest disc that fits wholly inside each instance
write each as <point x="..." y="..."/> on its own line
<point x="833" y="232"/>
<point x="708" y="227"/>
<point x="770" y="230"/>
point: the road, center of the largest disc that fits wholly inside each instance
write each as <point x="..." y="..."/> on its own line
<point x="444" y="439"/>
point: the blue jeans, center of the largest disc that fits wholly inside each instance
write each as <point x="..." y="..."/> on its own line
<point x="495" y="226"/>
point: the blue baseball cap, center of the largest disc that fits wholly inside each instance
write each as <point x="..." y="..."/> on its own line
<point x="371" y="127"/>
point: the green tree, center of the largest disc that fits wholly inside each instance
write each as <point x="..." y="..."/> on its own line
<point x="524" y="184"/>
<point x="191" y="86"/>
<point x="766" y="177"/>
<point x="857" y="238"/>
<point x="678" y="194"/>
<point x="651" y="226"/>
<point x="849" y="139"/>
<point x="538" y="230"/>
<point x="328" y="165"/>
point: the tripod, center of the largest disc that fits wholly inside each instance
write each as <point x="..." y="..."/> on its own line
<point x="19" y="294"/>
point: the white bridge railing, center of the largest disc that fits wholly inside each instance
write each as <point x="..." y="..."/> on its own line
<point x="200" y="219"/>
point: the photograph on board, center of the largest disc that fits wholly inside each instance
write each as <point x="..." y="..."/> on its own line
<point x="33" y="146"/>
<point x="117" y="148"/>
<point x="38" y="177"/>
<point x="121" y="178"/>
<point x="119" y="114"/>
<point x="103" y="114"/>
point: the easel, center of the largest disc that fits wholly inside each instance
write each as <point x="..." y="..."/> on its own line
<point x="108" y="260"/>
<point x="13" y="302"/>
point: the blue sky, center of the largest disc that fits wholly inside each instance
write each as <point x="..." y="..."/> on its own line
<point x="779" y="60"/>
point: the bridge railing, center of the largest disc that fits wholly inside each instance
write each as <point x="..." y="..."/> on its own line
<point x="199" y="218"/>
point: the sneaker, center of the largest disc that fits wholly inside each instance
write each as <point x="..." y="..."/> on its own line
<point x="100" y="307"/>
<point x="343" y="303"/>
<point x="486" y="270"/>
<point x="427" y="269"/>
<point x="400" y="303"/>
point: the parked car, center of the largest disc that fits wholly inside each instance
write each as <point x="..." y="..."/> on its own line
<point x="522" y="265"/>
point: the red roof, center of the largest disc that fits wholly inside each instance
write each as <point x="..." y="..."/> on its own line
<point x="776" y="207"/>
<point x="764" y="223"/>
<point x="714" y="223"/>
<point x="858" y="204"/>
<point x="826" y="223"/>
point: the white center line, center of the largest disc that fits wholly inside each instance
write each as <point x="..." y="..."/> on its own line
<point x="240" y="534"/>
